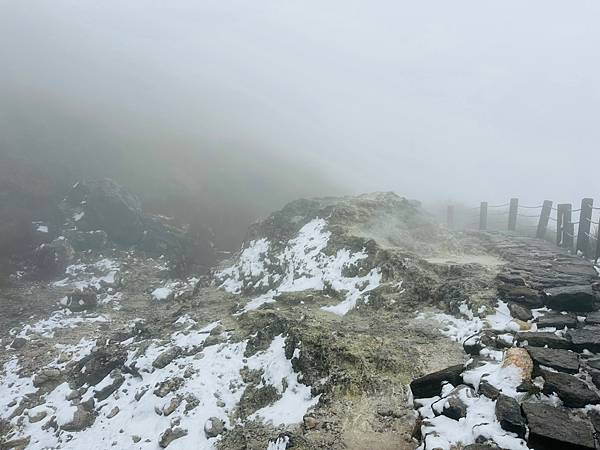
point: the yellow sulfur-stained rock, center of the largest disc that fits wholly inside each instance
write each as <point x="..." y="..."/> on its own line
<point x="520" y="358"/>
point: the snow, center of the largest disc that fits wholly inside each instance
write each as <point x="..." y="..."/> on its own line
<point x="161" y="294"/>
<point x="58" y="320"/>
<point x="445" y="433"/>
<point x="280" y="444"/>
<point x="13" y="387"/>
<point x="102" y="273"/>
<point x="304" y="265"/>
<point x="215" y="378"/>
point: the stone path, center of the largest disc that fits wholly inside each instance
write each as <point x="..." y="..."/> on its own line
<point x="554" y="342"/>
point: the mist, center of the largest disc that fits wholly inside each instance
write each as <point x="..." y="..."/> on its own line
<point x="223" y="111"/>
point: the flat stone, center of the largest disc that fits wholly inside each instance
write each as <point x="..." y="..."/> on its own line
<point x="562" y="360"/>
<point x="585" y="338"/>
<point x="556" y="428"/>
<point x="510" y="278"/>
<point x="485" y="388"/>
<point x="508" y="413"/>
<point x="557" y="320"/>
<point x="571" y="390"/>
<point x="165" y="358"/>
<point x="171" y="434"/>
<point x="521" y="294"/>
<point x="541" y="339"/>
<point x="593" y="363"/>
<point x="520" y="312"/>
<point x="431" y="385"/>
<point x="593" y="318"/>
<point x="579" y="298"/>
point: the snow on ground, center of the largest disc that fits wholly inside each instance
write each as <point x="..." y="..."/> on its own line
<point x="444" y="433"/>
<point x="459" y="329"/>
<point x="58" y="320"/>
<point x="101" y="274"/>
<point x="302" y="265"/>
<point x="211" y="387"/>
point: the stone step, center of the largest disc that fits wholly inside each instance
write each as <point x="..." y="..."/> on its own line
<point x="579" y="298"/>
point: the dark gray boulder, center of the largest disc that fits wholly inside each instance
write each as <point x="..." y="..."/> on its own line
<point x="508" y="413"/>
<point x="52" y="259"/>
<point x="490" y="391"/>
<point x="521" y="294"/>
<point x="557" y="320"/>
<point x="571" y="390"/>
<point x="562" y="360"/>
<point x="586" y="338"/>
<point x="431" y="385"/>
<point x="556" y="428"/>
<point x="579" y="298"/>
<point x="510" y="278"/>
<point x="593" y="318"/>
<point x="541" y="339"/>
<point x="110" y="207"/>
<point x="520" y="312"/>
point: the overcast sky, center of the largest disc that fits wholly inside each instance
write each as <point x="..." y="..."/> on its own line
<point x="473" y="100"/>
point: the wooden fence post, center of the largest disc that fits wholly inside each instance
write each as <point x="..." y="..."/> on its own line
<point x="450" y="217"/>
<point x="512" y="214"/>
<point x="568" y="235"/>
<point x="597" y="255"/>
<point x="544" y="218"/>
<point x="585" y="221"/>
<point x="483" y="216"/>
<point x="563" y="217"/>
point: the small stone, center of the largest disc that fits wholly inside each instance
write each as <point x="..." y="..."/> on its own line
<point x="139" y="394"/>
<point x="113" y="412"/>
<point x="213" y="427"/>
<point x="165" y="358"/>
<point x="37" y="417"/>
<point x="485" y="388"/>
<point x="172" y="406"/>
<point x="520" y="312"/>
<point x="169" y="435"/>
<point x="73" y="395"/>
<point x="47" y="376"/>
<point x="310" y="423"/>
<point x="135" y="438"/>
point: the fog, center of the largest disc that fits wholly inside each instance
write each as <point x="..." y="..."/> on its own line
<point x="225" y="110"/>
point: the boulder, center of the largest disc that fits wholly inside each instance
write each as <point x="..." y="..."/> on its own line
<point x="82" y="300"/>
<point x="508" y="413"/>
<point x="556" y="428"/>
<point x="87" y="240"/>
<point x="586" y="338"/>
<point x="106" y="391"/>
<point x="213" y="427"/>
<point x="520" y="312"/>
<point x="487" y="389"/>
<point x="579" y="298"/>
<point x="571" y="390"/>
<point x="47" y="375"/>
<point x="165" y="358"/>
<point x="431" y="385"/>
<point x="593" y="318"/>
<point x="110" y="207"/>
<point x="96" y="366"/>
<point x="557" y="320"/>
<point x="52" y="259"/>
<point x="542" y="339"/>
<point x="521" y="294"/>
<point x="519" y="357"/>
<point x="82" y="418"/>
<point x="561" y="360"/>
<point x="509" y="278"/>
<point x="170" y="434"/>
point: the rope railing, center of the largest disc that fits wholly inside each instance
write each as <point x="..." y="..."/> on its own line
<point x="576" y="236"/>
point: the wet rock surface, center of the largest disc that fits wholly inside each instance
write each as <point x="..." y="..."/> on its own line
<point x="547" y="405"/>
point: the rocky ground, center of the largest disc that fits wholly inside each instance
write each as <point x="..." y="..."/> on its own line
<point x="309" y="338"/>
<point x="533" y="375"/>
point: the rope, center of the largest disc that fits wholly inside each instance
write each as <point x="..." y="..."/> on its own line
<point x="498" y="206"/>
<point x="576" y="210"/>
<point x="531" y="207"/>
<point x="552" y="218"/>
<point x="527" y="215"/>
